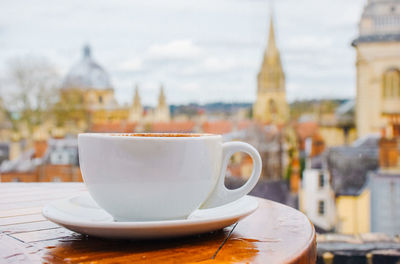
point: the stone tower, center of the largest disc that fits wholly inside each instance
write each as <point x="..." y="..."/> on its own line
<point x="161" y="113"/>
<point x="378" y="68"/>
<point x="271" y="106"/>
<point x="136" y="110"/>
<point x="92" y="81"/>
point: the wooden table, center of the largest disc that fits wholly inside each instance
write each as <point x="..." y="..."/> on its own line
<point x="273" y="234"/>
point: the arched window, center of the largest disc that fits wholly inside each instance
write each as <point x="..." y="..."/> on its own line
<point x="391" y="84"/>
<point x="272" y="108"/>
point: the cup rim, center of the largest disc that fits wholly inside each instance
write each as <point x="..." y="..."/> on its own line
<point x="147" y="136"/>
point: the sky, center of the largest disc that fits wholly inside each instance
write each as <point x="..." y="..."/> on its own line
<point x="200" y="50"/>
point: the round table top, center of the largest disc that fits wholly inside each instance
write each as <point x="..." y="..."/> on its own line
<point x="274" y="233"/>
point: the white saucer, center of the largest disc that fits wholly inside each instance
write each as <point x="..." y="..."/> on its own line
<point x="81" y="214"/>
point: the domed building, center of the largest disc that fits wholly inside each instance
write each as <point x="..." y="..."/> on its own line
<point x="87" y="95"/>
<point x="87" y="102"/>
<point x="93" y="81"/>
<point x="378" y="69"/>
<point x="87" y="74"/>
<point x="271" y="106"/>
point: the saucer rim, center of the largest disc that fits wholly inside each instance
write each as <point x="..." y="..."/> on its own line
<point x="46" y="212"/>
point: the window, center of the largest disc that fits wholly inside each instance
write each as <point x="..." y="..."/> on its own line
<point x="321" y="207"/>
<point x="321" y="182"/>
<point x="391" y="84"/>
<point x="272" y="107"/>
<point x="396" y="131"/>
<point x="56" y="179"/>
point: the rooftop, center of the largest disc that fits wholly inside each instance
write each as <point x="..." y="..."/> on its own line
<point x="217" y="127"/>
<point x="361" y="244"/>
<point x="349" y="165"/>
<point x="113" y="127"/>
<point x="380" y="22"/>
<point x="87" y="74"/>
<point x="180" y="127"/>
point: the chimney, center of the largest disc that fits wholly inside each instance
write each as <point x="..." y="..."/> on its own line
<point x="15" y="146"/>
<point x="308" y="150"/>
<point x="40" y="147"/>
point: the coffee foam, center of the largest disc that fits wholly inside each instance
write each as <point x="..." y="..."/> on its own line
<point x="160" y="135"/>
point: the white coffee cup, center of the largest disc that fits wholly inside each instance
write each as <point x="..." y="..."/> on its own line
<point x="143" y="177"/>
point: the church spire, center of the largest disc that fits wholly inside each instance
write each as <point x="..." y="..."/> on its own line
<point x="86" y="51"/>
<point x="272" y="53"/>
<point x="272" y="48"/>
<point x="136" y="110"/>
<point x="271" y="105"/>
<point x="271" y="75"/>
<point x="161" y="98"/>
<point x="162" y="113"/>
<point x="136" y="98"/>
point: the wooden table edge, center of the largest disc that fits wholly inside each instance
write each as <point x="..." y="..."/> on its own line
<point x="305" y="254"/>
<point x="310" y="251"/>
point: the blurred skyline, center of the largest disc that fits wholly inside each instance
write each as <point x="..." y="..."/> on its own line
<point x="202" y="51"/>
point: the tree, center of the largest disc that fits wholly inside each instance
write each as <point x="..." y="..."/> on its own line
<point x="71" y="108"/>
<point x="30" y="91"/>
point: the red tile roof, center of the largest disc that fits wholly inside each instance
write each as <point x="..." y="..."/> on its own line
<point x="217" y="127"/>
<point x="115" y="127"/>
<point x="182" y="127"/>
<point x="244" y="124"/>
<point x="306" y="129"/>
<point x="235" y="170"/>
<point x="310" y="130"/>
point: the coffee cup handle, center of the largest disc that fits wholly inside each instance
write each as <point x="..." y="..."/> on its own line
<point x="222" y="195"/>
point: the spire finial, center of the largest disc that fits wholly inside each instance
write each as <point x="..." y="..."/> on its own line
<point x="161" y="97"/>
<point x="136" y="97"/>
<point x="271" y="48"/>
<point x="271" y="8"/>
<point x="86" y="51"/>
<point x="136" y="90"/>
<point x="162" y="90"/>
<point x="271" y="37"/>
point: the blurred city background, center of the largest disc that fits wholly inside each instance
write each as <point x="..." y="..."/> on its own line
<point x="313" y="85"/>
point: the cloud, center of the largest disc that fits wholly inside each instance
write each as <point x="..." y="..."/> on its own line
<point x="134" y="64"/>
<point x="215" y="47"/>
<point x="309" y="42"/>
<point x="190" y="87"/>
<point x="177" y="49"/>
<point x="213" y="64"/>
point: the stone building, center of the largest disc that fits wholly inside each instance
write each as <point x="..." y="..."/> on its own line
<point x="270" y="143"/>
<point x="161" y="113"/>
<point x="136" y="109"/>
<point x="385" y="201"/>
<point x="93" y="82"/>
<point x="88" y="102"/>
<point x="55" y="160"/>
<point x="378" y="68"/>
<point x="87" y="97"/>
<point x="271" y="106"/>
<point x="335" y="192"/>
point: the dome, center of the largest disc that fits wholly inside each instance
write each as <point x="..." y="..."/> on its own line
<point x="380" y="18"/>
<point x="87" y="74"/>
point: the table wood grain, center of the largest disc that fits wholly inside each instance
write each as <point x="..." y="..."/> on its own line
<point x="275" y="233"/>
